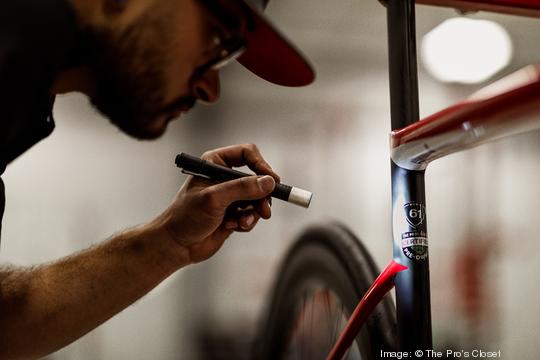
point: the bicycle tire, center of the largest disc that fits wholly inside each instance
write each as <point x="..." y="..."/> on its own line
<point x="331" y="256"/>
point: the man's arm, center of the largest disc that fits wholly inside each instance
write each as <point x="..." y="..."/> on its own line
<point x="47" y="307"/>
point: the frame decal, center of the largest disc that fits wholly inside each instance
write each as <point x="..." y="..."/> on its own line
<point x="414" y="240"/>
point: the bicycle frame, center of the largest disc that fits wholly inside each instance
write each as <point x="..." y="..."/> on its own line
<point x="413" y="308"/>
<point x="515" y="7"/>
<point x="501" y="109"/>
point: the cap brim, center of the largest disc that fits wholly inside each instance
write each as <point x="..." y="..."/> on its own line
<point x="271" y="56"/>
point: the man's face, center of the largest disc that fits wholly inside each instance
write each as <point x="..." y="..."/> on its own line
<point x="145" y="68"/>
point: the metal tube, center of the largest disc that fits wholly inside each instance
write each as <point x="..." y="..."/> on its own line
<point x="402" y="63"/>
<point x="506" y="107"/>
<point x="409" y="225"/>
<point x="408" y="189"/>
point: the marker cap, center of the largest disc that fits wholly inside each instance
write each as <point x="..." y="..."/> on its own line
<point x="300" y="197"/>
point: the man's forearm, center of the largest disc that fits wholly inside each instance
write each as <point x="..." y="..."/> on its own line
<point x="47" y="307"/>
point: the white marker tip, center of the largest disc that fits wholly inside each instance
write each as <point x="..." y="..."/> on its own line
<point x="300" y="197"/>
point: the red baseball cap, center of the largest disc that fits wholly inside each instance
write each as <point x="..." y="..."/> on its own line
<point x="269" y="54"/>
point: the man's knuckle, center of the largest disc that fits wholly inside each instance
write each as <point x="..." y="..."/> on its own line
<point x="248" y="186"/>
<point x="246" y="183"/>
<point x="210" y="198"/>
<point x="252" y="147"/>
<point x="207" y="155"/>
<point x="260" y="163"/>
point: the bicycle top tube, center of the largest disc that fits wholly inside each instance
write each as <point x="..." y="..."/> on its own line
<point x="515" y="7"/>
<point x="508" y="106"/>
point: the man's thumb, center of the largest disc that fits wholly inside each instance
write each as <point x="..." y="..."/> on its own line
<point x="245" y="188"/>
<point x="266" y="184"/>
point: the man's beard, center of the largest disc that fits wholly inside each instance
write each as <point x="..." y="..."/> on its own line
<point x="129" y="83"/>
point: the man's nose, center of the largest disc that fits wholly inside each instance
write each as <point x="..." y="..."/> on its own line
<point x="206" y="87"/>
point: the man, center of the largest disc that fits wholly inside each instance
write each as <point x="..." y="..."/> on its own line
<point x="141" y="63"/>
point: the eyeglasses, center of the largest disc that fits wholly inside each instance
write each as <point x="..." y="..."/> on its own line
<point x="228" y="48"/>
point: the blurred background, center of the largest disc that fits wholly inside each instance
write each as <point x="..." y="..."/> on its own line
<point x="88" y="181"/>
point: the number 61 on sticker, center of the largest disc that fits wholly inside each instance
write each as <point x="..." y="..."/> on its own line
<point x="415" y="213"/>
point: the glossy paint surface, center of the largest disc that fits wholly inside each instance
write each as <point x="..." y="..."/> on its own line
<point x="515" y="7"/>
<point x="506" y="107"/>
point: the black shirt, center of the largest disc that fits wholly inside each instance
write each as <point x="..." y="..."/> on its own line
<point x="38" y="39"/>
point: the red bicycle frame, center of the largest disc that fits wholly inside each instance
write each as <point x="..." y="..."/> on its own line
<point x="515" y="7"/>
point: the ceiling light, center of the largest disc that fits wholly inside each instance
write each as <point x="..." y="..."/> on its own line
<point x="468" y="51"/>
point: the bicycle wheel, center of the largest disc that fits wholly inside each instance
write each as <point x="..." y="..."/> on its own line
<point x="321" y="280"/>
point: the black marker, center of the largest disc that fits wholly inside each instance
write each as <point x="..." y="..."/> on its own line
<point x="193" y="165"/>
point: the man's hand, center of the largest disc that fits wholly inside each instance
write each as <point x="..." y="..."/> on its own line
<point x="204" y="214"/>
<point x="51" y="305"/>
